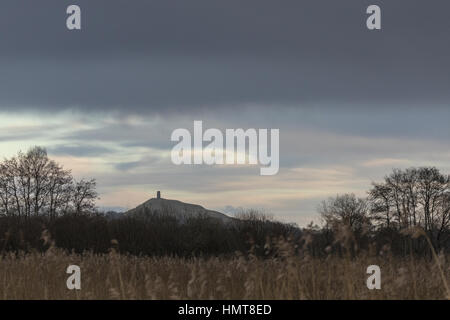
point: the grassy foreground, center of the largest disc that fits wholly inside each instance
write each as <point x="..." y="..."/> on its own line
<point x="115" y="276"/>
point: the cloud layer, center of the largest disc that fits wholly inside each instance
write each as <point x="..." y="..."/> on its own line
<point x="177" y="56"/>
<point x="350" y="104"/>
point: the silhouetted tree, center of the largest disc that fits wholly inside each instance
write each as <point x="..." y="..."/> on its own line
<point x="346" y="210"/>
<point x="32" y="184"/>
<point x="413" y="197"/>
<point x="84" y="196"/>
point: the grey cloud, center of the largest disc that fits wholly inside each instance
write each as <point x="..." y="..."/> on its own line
<point x="201" y="179"/>
<point x="124" y="166"/>
<point x="79" y="150"/>
<point x="16" y="137"/>
<point x="307" y="137"/>
<point x="145" y="162"/>
<point x="26" y="132"/>
<point x="177" y="56"/>
<point x="126" y="136"/>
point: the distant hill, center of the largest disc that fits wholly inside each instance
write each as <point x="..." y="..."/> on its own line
<point x="180" y="210"/>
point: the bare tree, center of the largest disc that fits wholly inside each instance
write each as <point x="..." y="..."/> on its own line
<point x="381" y="201"/>
<point x="32" y="184"/>
<point x="443" y="220"/>
<point x="36" y="166"/>
<point x="413" y="197"/>
<point x="5" y="197"/>
<point x="84" y="196"/>
<point x="346" y="210"/>
<point x="433" y="187"/>
<point x="60" y="186"/>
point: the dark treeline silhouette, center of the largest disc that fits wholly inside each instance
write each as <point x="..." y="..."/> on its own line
<point x="164" y="235"/>
<point x="33" y="185"/>
<point x="41" y="205"/>
<point x="154" y="235"/>
<point x="415" y="197"/>
<point x="413" y="202"/>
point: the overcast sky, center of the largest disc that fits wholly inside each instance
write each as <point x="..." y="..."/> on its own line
<point x="351" y="104"/>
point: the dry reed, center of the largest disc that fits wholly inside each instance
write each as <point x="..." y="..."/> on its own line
<point x="289" y="276"/>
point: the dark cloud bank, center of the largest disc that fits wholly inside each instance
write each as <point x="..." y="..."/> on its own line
<point x="177" y="55"/>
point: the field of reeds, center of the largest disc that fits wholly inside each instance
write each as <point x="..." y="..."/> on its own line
<point x="255" y="259"/>
<point x="38" y="275"/>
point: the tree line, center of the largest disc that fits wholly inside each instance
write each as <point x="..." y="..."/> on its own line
<point x="38" y="191"/>
<point x="33" y="185"/>
<point x="406" y="199"/>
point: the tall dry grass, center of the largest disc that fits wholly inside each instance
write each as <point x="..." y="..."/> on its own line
<point x="289" y="276"/>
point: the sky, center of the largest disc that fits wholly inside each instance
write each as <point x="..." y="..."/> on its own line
<point x="350" y="104"/>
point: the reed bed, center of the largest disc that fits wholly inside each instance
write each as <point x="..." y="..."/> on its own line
<point x="288" y="276"/>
